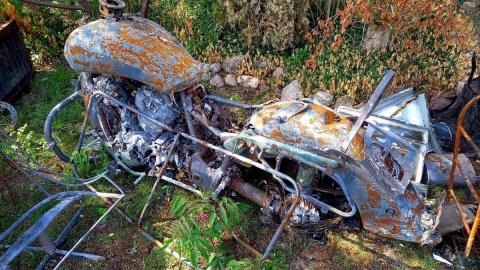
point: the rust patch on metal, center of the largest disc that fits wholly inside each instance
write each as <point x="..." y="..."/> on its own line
<point x="134" y="48"/>
<point x="315" y="128"/>
<point x="374" y="197"/>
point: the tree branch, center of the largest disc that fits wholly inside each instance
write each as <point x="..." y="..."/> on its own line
<point x="61" y="6"/>
<point x="87" y="8"/>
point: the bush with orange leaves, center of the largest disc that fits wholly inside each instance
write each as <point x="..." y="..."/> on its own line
<point x="427" y="43"/>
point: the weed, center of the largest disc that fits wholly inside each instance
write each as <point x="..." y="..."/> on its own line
<point x="236" y="97"/>
<point x="89" y="162"/>
<point x="156" y="260"/>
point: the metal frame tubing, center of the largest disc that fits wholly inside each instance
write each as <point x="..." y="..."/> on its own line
<point x="471" y="231"/>
<point x="277" y="175"/>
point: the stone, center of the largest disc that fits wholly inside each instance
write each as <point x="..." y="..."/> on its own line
<point x="343" y="102"/>
<point x="206" y="76"/>
<point x="278" y="72"/>
<point x="230" y="80"/>
<point x="259" y="64"/>
<point x="441" y="100"/>
<point x="264" y="88"/>
<point x="248" y="81"/>
<point x="217" y="81"/>
<point x="292" y="91"/>
<point x="323" y="98"/>
<point x="215" y="67"/>
<point x="376" y="38"/>
<point x="277" y="90"/>
<point x="230" y="65"/>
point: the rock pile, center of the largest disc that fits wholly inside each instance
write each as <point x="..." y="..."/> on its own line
<point x="223" y="75"/>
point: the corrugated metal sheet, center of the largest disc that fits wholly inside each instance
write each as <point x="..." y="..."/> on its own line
<point x="15" y="65"/>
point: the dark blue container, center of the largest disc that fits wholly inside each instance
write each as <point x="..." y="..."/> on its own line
<point x="16" y="68"/>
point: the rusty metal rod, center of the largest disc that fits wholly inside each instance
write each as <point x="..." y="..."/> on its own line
<point x="78" y="255"/>
<point x="187" y="107"/>
<point x="469" y="184"/>
<point x="471" y="236"/>
<point x="456" y="148"/>
<point x="469" y="140"/>
<point x="159" y="176"/>
<point x="34" y="181"/>
<point x="369" y="108"/>
<point x="247" y="246"/>
<point x="461" y="131"/>
<point x="459" y="210"/>
<point x="182" y="185"/>
<point x="88" y="232"/>
<point x="222" y="135"/>
<point x="233" y="103"/>
<point x="250" y="192"/>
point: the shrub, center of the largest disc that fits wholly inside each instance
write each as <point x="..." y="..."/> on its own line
<point x="426" y="41"/>
<point x="275" y="24"/>
<point x="45" y="29"/>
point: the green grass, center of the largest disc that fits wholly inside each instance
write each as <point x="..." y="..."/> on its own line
<point x="157" y="260"/>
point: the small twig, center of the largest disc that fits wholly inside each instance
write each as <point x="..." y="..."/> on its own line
<point x="47" y="4"/>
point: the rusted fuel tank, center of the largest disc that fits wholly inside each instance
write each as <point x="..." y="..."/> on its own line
<point x="306" y="126"/>
<point x="134" y="48"/>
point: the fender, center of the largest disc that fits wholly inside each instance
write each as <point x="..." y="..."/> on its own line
<point x="134" y="48"/>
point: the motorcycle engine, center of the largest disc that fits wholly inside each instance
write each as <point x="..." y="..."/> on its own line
<point x="137" y="141"/>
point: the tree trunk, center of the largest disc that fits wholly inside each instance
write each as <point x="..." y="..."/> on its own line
<point x="145" y="6"/>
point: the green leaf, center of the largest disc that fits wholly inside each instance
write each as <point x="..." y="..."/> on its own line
<point x="218" y="228"/>
<point x="182" y="209"/>
<point x="221" y="249"/>
<point x="211" y="257"/>
<point x="175" y="204"/>
<point x="244" y="207"/>
<point x="202" y="251"/>
<point x="208" y="207"/>
<point x="232" y="263"/>
<point x="193" y="258"/>
<point x="223" y="216"/>
<point x="205" y="243"/>
<point x="197" y="208"/>
<point x="213" y="264"/>
<point x="210" y="233"/>
<point x="167" y="243"/>
<point x="233" y="211"/>
<point x="212" y="219"/>
<point x="185" y="228"/>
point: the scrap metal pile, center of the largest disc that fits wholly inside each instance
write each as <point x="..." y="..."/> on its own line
<point x="143" y="99"/>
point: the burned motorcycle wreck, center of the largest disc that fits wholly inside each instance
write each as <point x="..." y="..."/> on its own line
<point x="142" y="93"/>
